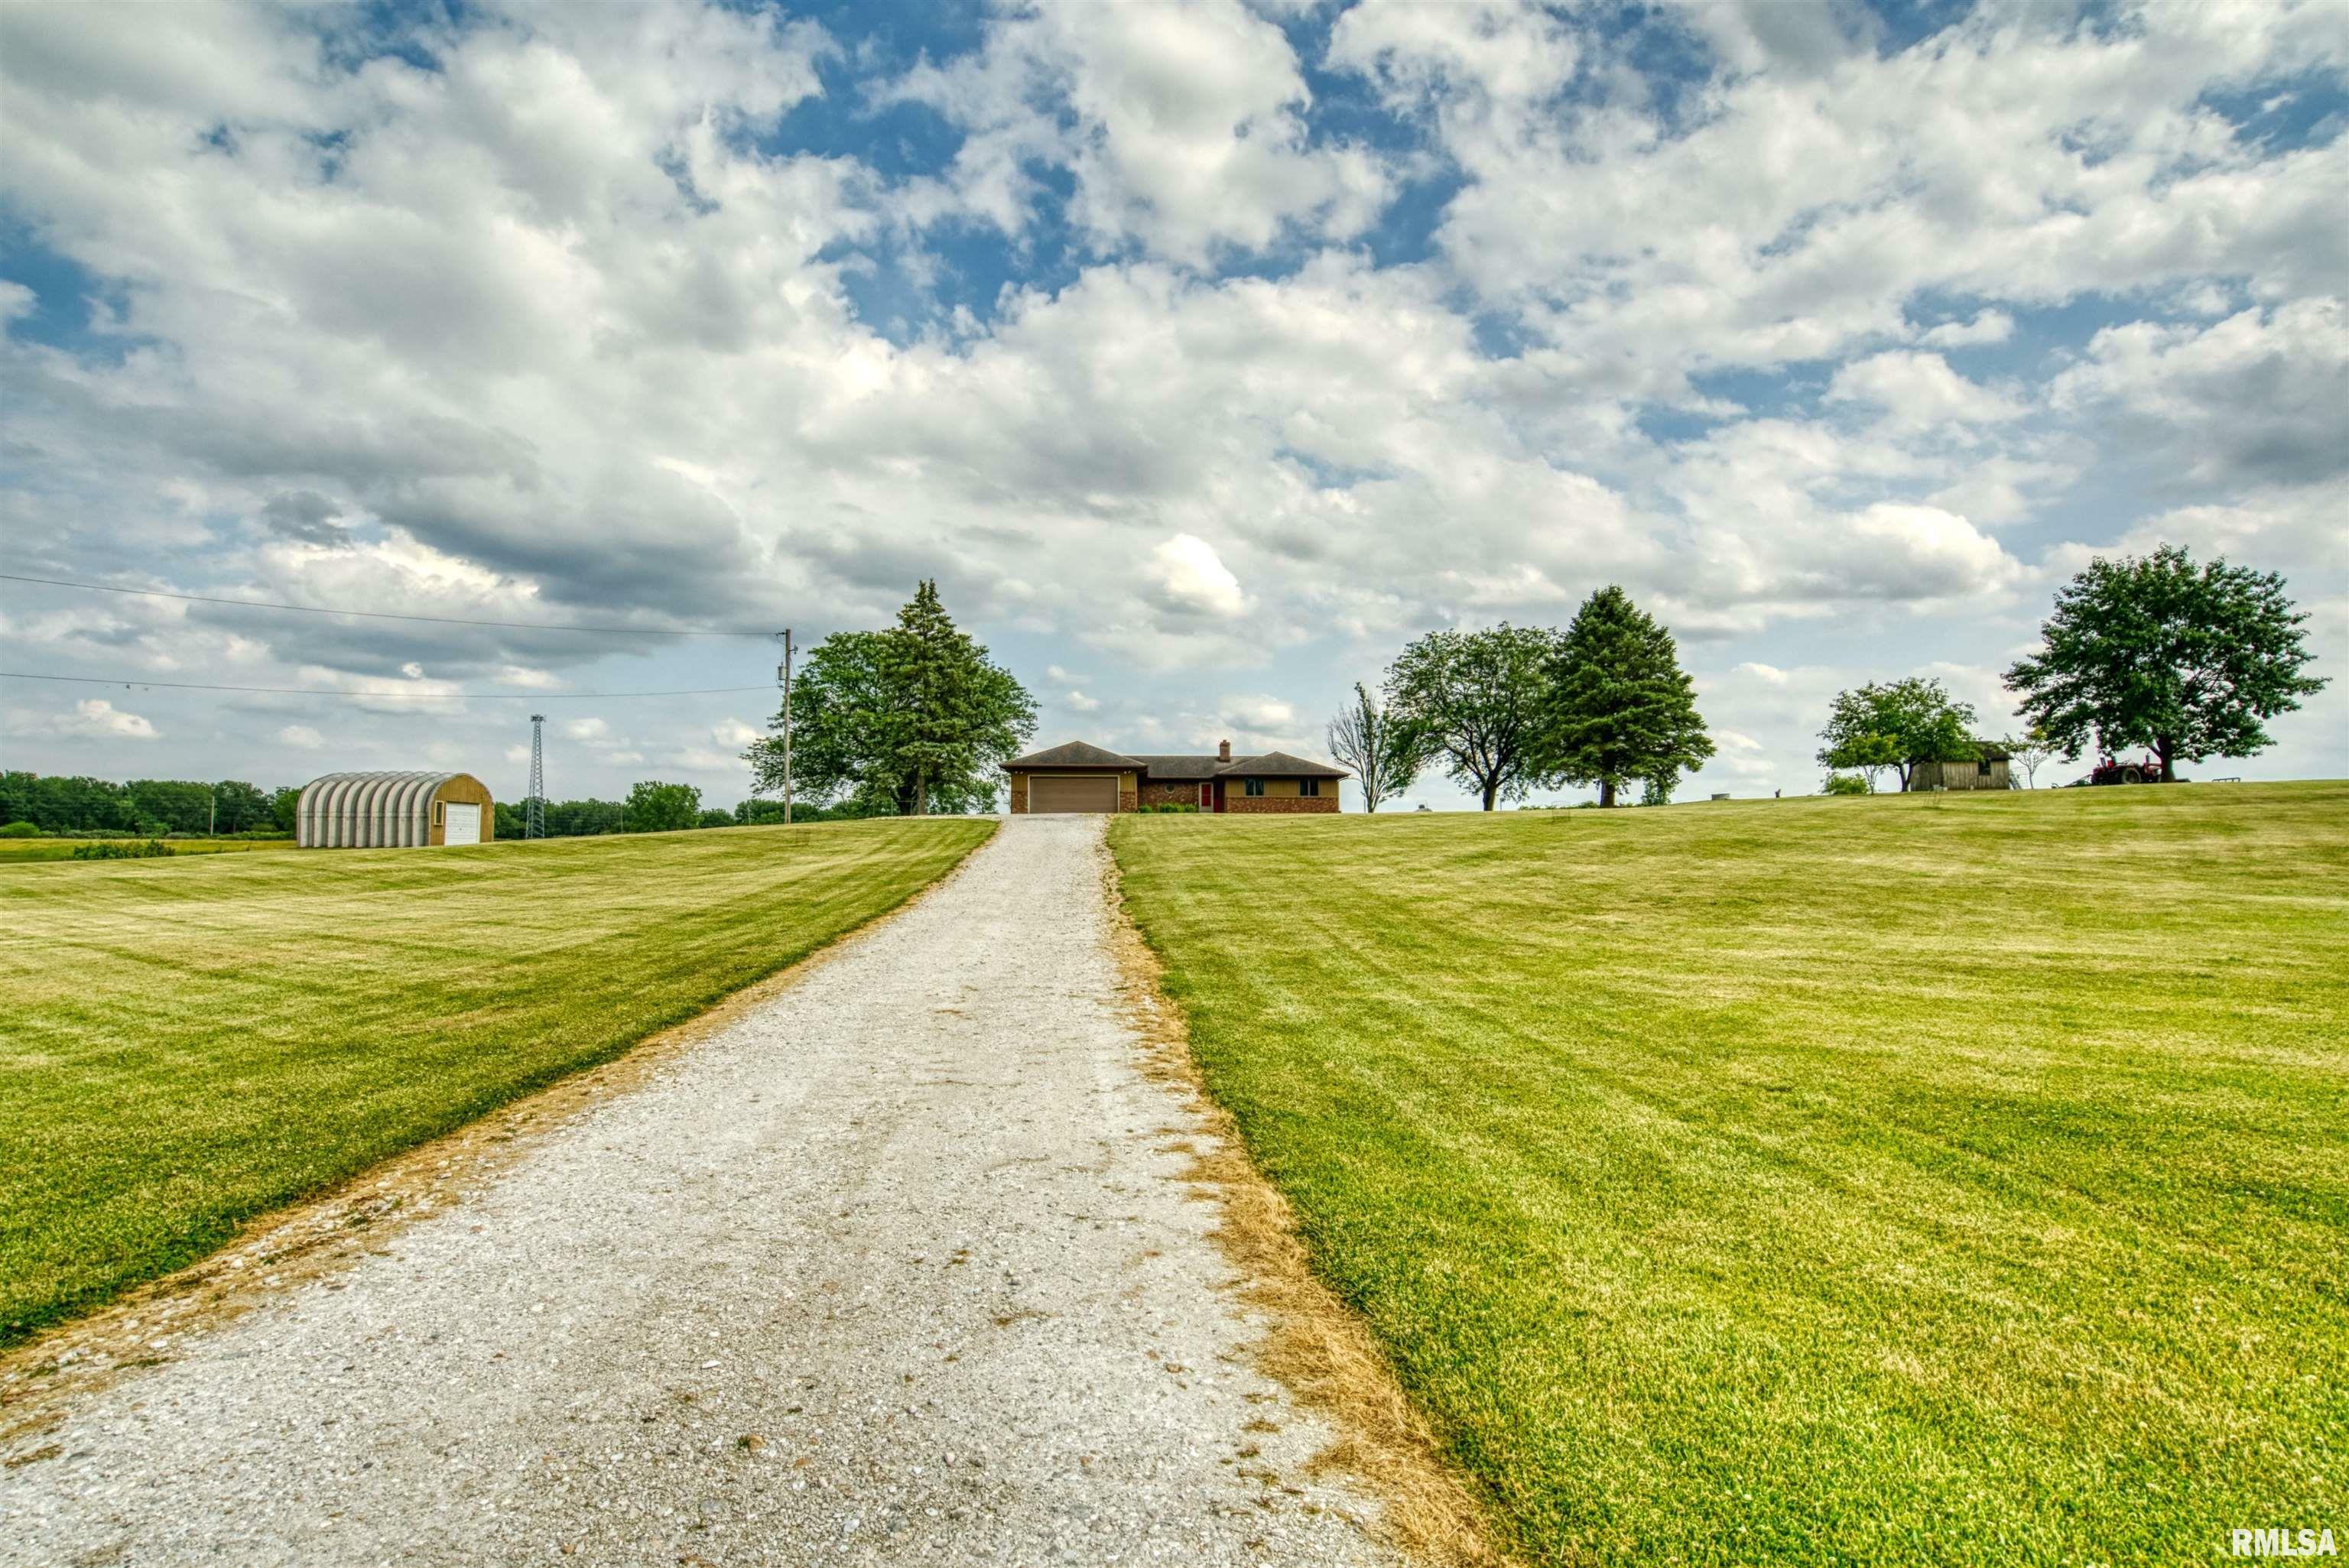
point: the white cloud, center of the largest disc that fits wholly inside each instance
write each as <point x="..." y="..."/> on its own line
<point x="1078" y="702"/>
<point x="301" y="737"/>
<point x="2260" y="398"/>
<point x="1258" y="713"/>
<point x="1192" y="578"/>
<point x="1986" y="326"/>
<point x="586" y="729"/>
<point x="98" y="718"/>
<point x="733" y="732"/>
<point x="1919" y="392"/>
<point x="1182" y="129"/>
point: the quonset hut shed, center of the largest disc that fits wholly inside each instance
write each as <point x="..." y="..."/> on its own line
<point x="393" y="810"/>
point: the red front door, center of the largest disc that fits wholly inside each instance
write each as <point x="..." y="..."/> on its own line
<point x="1218" y="787"/>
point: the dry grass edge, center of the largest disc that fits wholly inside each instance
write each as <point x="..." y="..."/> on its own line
<point x="1314" y="1344"/>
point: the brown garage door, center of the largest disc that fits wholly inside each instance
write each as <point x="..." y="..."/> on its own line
<point x="1097" y="793"/>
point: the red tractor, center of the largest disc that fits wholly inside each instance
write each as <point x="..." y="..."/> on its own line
<point x="2109" y="772"/>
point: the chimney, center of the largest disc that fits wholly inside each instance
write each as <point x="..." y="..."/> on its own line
<point x="1224" y="752"/>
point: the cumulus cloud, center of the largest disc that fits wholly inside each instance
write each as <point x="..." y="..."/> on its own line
<point x="1178" y="124"/>
<point x="98" y="718"/>
<point x="1986" y="326"/>
<point x="2260" y="398"/>
<point x="1919" y="392"/>
<point x="1193" y="579"/>
<point x="301" y="737"/>
<point x="733" y="732"/>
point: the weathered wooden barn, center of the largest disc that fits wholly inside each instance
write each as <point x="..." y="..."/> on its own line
<point x="393" y="810"/>
<point x="1987" y="771"/>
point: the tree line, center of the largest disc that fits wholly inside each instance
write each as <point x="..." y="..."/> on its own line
<point x="1511" y="709"/>
<point x="151" y="808"/>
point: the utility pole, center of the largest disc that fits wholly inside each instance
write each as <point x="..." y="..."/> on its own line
<point x="783" y="672"/>
<point x="533" y="811"/>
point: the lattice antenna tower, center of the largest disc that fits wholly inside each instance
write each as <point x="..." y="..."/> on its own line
<point x="533" y="821"/>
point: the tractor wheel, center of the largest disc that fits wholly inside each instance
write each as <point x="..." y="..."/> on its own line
<point x="2132" y="775"/>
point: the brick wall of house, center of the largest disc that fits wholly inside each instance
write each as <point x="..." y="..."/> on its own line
<point x="1158" y="793"/>
<point x="1019" y="794"/>
<point x="1277" y="805"/>
<point x="1126" y="796"/>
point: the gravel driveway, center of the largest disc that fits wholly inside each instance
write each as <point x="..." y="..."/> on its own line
<point x="898" y="1267"/>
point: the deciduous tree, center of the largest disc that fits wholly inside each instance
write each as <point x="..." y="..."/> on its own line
<point x="2150" y="651"/>
<point x="904" y="721"/>
<point x="1478" y="698"/>
<point x="657" y="808"/>
<point x="1385" y="749"/>
<point x="1897" y="725"/>
<point x="2028" y="752"/>
<point x="238" y="806"/>
<point x="1619" y="706"/>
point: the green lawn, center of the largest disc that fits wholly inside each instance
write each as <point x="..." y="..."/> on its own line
<point x="185" y="1044"/>
<point x="1905" y="1179"/>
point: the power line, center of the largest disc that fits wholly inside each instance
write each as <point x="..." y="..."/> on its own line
<point x="375" y="614"/>
<point x="372" y="695"/>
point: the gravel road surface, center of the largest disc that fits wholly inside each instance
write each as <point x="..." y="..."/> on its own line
<point x="898" y="1267"/>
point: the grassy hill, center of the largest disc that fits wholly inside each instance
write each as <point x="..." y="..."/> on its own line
<point x="1905" y="1180"/>
<point x="189" y="1043"/>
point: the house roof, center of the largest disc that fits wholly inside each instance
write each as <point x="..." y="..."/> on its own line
<point x="1271" y="765"/>
<point x="1072" y="754"/>
<point x="1278" y="765"/>
<point x="1180" y="767"/>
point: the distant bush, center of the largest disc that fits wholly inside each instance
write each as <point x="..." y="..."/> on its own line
<point x="120" y="850"/>
<point x="20" y="831"/>
<point x="1172" y="808"/>
<point x="1846" y="784"/>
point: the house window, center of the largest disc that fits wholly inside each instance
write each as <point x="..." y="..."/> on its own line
<point x="1309" y="787"/>
<point x="1981" y="768"/>
<point x="1255" y="786"/>
<point x="439" y="813"/>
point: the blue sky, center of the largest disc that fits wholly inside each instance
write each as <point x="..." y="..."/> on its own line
<point x="1205" y="354"/>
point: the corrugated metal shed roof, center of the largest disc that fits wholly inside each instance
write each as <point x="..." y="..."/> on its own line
<point x="368" y="811"/>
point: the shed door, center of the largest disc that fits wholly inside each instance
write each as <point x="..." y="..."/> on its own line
<point x="1095" y="793"/>
<point x="465" y="824"/>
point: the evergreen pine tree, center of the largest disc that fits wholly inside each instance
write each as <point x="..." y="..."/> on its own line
<point x="1620" y="706"/>
<point x="903" y="721"/>
<point x="931" y="666"/>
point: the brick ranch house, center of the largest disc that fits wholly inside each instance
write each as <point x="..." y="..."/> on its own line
<point x="1082" y="778"/>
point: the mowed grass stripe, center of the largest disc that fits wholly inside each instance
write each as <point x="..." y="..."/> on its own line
<point x="187" y="1044"/>
<point x="1905" y="1179"/>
